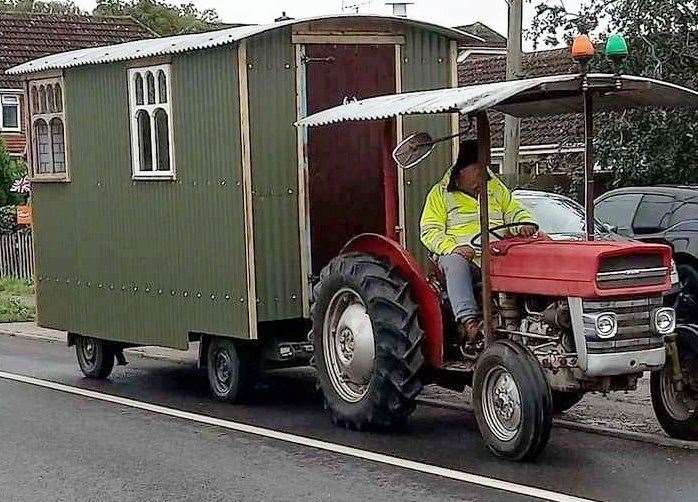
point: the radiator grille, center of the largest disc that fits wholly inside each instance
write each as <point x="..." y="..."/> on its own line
<point x="631" y="271"/>
<point x="634" y="325"/>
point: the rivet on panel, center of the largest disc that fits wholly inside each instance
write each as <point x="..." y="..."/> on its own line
<point x="147" y="290"/>
<point x="173" y="292"/>
<point x="213" y="297"/>
<point x="288" y="66"/>
<point x="198" y="295"/>
<point x="99" y="285"/>
<point x="441" y="60"/>
<point x="227" y="296"/>
<point x="408" y="182"/>
<point x="123" y="288"/>
<point x="242" y="300"/>
<point x="223" y="182"/>
<point x="111" y="286"/>
<point x="294" y="296"/>
<point x="159" y="291"/>
<point x="135" y="288"/>
<point x="290" y="190"/>
<point x="185" y="294"/>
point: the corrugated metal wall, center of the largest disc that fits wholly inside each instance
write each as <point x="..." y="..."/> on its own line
<point x="425" y="65"/>
<point x="272" y="88"/>
<point x="146" y="261"/>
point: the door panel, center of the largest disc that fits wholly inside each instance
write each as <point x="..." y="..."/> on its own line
<point x="345" y="161"/>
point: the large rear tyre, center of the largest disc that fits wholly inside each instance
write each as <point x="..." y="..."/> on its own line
<point x="563" y="401"/>
<point x="676" y="407"/>
<point x="367" y="342"/>
<point x="513" y="403"/>
<point x="231" y="370"/>
<point x="95" y="357"/>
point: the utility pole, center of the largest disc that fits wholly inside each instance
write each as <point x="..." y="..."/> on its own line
<point x="512" y="125"/>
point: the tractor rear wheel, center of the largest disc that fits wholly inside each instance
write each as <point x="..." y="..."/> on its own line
<point x="513" y="403"/>
<point x="367" y="342"/>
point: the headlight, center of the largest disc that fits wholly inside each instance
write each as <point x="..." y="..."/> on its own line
<point x="664" y="320"/>
<point x="606" y="325"/>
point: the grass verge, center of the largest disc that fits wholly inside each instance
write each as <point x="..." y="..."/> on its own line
<point x="16" y="300"/>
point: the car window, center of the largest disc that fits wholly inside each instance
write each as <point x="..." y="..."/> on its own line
<point x="685" y="211"/>
<point x="653" y="214"/>
<point x="618" y="210"/>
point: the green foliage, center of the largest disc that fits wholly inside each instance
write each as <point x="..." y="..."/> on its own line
<point x="10" y="170"/>
<point x="50" y="7"/>
<point x="8" y="220"/>
<point x="640" y="146"/>
<point x="161" y="17"/>
<point x="16" y="300"/>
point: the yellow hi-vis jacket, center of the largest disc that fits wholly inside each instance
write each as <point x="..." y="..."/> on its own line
<point x="452" y="219"/>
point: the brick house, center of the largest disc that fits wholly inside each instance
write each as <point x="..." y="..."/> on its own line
<point x="26" y="36"/>
<point x="548" y="144"/>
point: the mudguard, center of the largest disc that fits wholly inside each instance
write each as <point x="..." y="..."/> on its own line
<point x="426" y="296"/>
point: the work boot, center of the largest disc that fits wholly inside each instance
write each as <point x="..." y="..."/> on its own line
<point x="471" y="337"/>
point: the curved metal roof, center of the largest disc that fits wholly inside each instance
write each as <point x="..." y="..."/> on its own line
<point x="195" y="41"/>
<point x="521" y="98"/>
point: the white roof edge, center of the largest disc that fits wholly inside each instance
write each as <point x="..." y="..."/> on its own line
<point x="475" y="98"/>
<point x="196" y="41"/>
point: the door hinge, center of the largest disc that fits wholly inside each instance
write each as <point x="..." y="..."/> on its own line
<point x="306" y="60"/>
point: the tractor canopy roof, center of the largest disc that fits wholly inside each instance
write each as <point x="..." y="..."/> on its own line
<point x="521" y="98"/>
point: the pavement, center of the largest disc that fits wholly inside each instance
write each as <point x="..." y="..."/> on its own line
<point x="68" y="438"/>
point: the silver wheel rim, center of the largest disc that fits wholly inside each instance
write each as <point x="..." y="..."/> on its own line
<point x="348" y="345"/>
<point x="679" y="405"/>
<point x="501" y="403"/>
<point x="223" y="371"/>
<point x="89" y="352"/>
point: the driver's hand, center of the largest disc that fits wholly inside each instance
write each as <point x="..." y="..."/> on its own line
<point x="465" y="251"/>
<point x="527" y="230"/>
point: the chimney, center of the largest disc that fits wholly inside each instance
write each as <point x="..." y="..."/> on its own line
<point x="283" y="17"/>
<point x="399" y="8"/>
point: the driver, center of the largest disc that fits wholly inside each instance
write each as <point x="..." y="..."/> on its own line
<point x="450" y="220"/>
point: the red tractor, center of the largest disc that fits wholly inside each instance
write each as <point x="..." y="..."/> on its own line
<point x="562" y="318"/>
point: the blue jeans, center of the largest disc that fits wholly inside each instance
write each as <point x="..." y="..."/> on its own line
<point x="459" y="285"/>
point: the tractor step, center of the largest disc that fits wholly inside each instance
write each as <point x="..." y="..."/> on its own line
<point x="459" y="366"/>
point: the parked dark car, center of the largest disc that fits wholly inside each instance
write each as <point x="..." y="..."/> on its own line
<point x="667" y="214"/>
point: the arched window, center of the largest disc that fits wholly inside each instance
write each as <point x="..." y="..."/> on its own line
<point x="150" y="84"/>
<point x="42" y="147"/>
<point x="162" y="87"/>
<point x="145" y="141"/>
<point x="48" y="129"/>
<point x="50" y="99"/>
<point x="139" y="89"/>
<point x="151" y="122"/>
<point x="57" y="145"/>
<point x="59" y="97"/>
<point x="35" y="99"/>
<point x="43" y="108"/>
<point x="162" y="140"/>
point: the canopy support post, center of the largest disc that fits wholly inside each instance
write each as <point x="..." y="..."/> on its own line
<point x="589" y="162"/>
<point x="484" y="144"/>
<point x="390" y="190"/>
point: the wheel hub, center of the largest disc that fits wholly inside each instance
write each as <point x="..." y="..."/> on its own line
<point x="223" y="368"/>
<point x="348" y="345"/>
<point x="501" y="403"/>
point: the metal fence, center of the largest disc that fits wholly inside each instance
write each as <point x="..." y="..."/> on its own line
<point x="17" y="255"/>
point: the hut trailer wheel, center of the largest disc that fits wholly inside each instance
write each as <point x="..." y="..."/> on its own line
<point x="95" y="357"/>
<point x="231" y="370"/>
<point x="367" y="342"/>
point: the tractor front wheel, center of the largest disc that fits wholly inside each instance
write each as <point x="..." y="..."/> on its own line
<point x="513" y="403"/>
<point x="367" y="342"/>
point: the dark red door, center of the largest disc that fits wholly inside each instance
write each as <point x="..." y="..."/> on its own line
<point x="345" y="161"/>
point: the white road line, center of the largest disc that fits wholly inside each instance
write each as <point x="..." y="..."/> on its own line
<point x="475" y="479"/>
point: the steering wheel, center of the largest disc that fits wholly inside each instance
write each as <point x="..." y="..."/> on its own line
<point x="493" y="231"/>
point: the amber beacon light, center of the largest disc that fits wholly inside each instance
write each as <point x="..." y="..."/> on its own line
<point x="583" y="49"/>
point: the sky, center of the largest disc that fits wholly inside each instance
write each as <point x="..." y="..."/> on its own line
<point x="445" y="12"/>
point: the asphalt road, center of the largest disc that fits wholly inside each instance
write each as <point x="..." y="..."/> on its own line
<point x="60" y="446"/>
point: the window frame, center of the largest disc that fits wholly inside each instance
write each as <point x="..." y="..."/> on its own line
<point x="18" y="104"/>
<point x="48" y="117"/>
<point x="150" y="109"/>
<point x="667" y="215"/>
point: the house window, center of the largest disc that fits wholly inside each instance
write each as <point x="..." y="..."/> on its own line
<point x="151" y="122"/>
<point x="48" y="129"/>
<point x="10" y="120"/>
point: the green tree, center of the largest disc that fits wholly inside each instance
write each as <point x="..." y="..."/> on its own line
<point x="647" y="146"/>
<point x="161" y="17"/>
<point x="50" y="7"/>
